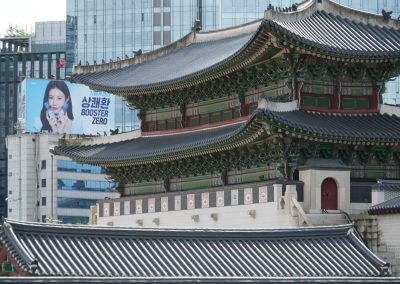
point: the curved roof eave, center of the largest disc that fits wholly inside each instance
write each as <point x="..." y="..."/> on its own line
<point x="382" y="129"/>
<point x="177" y="145"/>
<point x="246" y="35"/>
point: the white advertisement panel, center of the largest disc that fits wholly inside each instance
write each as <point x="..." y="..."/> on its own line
<point x="61" y="107"/>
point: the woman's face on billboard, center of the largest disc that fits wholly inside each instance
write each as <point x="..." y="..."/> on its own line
<point x="56" y="100"/>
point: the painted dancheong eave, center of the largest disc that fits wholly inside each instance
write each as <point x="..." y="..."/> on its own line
<point x="357" y="129"/>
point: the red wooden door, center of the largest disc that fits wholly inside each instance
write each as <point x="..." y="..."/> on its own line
<point x="329" y="196"/>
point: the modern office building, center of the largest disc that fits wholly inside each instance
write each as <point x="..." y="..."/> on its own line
<point x="42" y="57"/>
<point x="100" y="31"/>
<point x="19" y="61"/>
<point x="44" y="188"/>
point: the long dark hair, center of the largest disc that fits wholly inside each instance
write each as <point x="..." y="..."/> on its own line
<point x="62" y="86"/>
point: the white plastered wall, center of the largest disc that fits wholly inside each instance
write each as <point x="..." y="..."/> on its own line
<point x="313" y="179"/>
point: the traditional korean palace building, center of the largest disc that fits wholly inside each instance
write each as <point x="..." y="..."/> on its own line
<point x="275" y="124"/>
<point x="288" y="105"/>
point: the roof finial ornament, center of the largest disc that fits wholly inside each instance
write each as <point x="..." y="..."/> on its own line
<point x="137" y="53"/>
<point x="270" y="7"/>
<point x="197" y="26"/>
<point x="34" y="265"/>
<point x="386" y="15"/>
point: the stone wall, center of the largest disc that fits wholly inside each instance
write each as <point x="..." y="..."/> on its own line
<point x="381" y="234"/>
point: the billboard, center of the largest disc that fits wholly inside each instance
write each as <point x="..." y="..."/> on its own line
<point x="61" y="107"/>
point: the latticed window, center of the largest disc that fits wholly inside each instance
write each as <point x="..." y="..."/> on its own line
<point x="233" y="101"/>
<point x="235" y="176"/>
<point x="357" y="89"/>
<point x="319" y="87"/>
<point x="176" y="184"/>
<point x="216" y="180"/>
<point x="272" y="171"/>
<point x="175" y="112"/>
<point x="130" y="189"/>
<point x="252" y="96"/>
<point x="151" y="115"/>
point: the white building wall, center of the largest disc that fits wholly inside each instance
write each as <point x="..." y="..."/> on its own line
<point x="25" y="155"/>
<point x="261" y="215"/>
<point x="389" y="228"/>
<point x="313" y="179"/>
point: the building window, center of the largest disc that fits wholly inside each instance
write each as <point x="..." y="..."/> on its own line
<point x="80" y="203"/>
<point x="157" y="38"/>
<point x="70" y="166"/>
<point x="43" y="166"/>
<point x="43" y="201"/>
<point x="10" y="157"/>
<point x="86" y="185"/>
<point x="44" y="182"/>
<point x="10" y="174"/>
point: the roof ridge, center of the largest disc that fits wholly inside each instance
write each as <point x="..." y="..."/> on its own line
<point x="25" y="226"/>
<point x="328" y="6"/>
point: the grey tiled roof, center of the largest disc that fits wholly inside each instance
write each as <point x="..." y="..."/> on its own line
<point x="150" y="146"/>
<point x="350" y="127"/>
<point x="387" y="185"/>
<point x="183" y="62"/>
<point x="334" y="33"/>
<point x="108" y="251"/>
<point x="346" y="125"/>
<point x="391" y="206"/>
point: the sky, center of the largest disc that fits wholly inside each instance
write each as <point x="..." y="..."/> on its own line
<point x="25" y="13"/>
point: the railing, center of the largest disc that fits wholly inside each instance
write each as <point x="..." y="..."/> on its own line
<point x="349" y="220"/>
<point x="301" y="215"/>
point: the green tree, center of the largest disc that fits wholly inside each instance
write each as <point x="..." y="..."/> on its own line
<point x="17" y="31"/>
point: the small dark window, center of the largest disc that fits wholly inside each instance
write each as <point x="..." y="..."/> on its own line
<point x="167" y="3"/>
<point x="167" y="37"/>
<point x="360" y="193"/>
<point x="270" y="194"/>
<point x="157" y="38"/>
<point x="167" y="18"/>
<point x="43" y="167"/>
<point x="157" y="3"/>
<point x="43" y="201"/>
<point x="10" y="210"/>
<point x="44" y="182"/>
<point x="157" y="19"/>
<point x="44" y="218"/>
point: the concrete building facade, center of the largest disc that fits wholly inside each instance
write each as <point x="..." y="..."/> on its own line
<point x="48" y="188"/>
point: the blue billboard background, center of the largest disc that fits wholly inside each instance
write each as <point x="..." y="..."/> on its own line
<point x="93" y="111"/>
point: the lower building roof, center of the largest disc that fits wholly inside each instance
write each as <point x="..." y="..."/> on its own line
<point x="387" y="185"/>
<point x="71" y="250"/>
<point x="337" y="127"/>
<point x="391" y="206"/>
